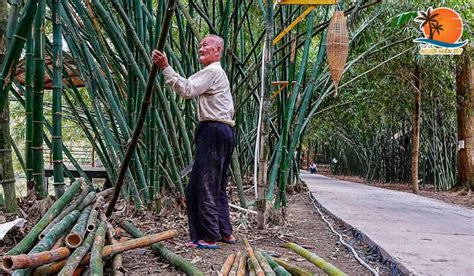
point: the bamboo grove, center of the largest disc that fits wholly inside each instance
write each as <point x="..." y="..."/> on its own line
<point x="97" y="55"/>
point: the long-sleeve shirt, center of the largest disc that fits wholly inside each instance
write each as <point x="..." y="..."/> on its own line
<point x="212" y="89"/>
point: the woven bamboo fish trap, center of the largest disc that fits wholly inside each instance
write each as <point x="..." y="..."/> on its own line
<point x="337" y="44"/>
<point x="69" y="66"/>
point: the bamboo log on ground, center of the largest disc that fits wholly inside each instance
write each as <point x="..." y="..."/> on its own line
<point x="279" y="270"/>
<point x="60" y="242"/>
<point x="69" y="265"/>
<point x="76" y="236"/>
<point x="109" y="250"/>
<point x="251" y="268"/>
<point x="227" y="265"/>
<point x="264" y="264"/>
<point x="94" y="215"/>
<point x="96" y="263"/>
<point x="235" y="265"/>
<point x="242" y="265"/>
<point x="293" y="269"/>
<point x="50" y="239"/>
<point x="87" y="201"/>
<point x="27" y="242"/>
<point x="72" y="206"/>
<point x="327" y="267"/>
<point x="251" y="254"/>
<point x="11" y="263"/>
<point x="117" y="260"/>
<point x="164" y="252"/>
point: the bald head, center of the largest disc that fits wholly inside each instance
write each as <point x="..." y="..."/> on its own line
<point x="210" y="49"/>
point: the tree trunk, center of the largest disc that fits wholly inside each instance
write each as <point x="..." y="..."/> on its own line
<point x="465" y="119"/>
<point x="7" y="177"/>
<point x="415" y="150"/>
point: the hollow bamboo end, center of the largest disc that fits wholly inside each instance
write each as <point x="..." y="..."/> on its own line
<point x="8" y="263"/>
<point x="90" y="227"/>
<point x="73" y="240"/>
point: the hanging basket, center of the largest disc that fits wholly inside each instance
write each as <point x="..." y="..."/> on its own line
<point x="69" y="66"/>
<point x="337" y="44"/>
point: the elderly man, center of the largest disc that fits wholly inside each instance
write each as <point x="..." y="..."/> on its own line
<point x="206" y="197"/>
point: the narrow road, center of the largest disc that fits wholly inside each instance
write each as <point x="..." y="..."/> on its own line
<point x="423" y="235"/>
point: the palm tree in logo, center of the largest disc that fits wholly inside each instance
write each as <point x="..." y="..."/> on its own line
<point x="428" y="18"/>
<point x="437" y="28"/>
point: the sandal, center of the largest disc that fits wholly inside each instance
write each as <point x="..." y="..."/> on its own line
<point x="191" y="244"/>
<point x="228" y="239"/>
<point x="205" y="245"/>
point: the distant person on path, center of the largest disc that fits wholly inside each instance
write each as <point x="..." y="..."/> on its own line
<point x="312" y="168"/>
<point x="206" y="198"/>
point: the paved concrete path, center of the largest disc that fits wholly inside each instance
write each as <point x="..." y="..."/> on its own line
<point x="426" y="236"/>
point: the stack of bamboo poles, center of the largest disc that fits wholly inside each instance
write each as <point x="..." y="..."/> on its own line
<point x="260" y="263"/>
<point x="74" y="235"/>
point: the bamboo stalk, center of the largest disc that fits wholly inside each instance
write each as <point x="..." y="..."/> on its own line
<point x="279" y="270"/>
<point x="293" y="269"/>
<point x="27" y="242"/>
<point x="11" y="263"/>
<point x="108" y="251"/>
<point x="242" y="264"/>
<point x="76" y="236"/>
<point x="171" y="257"/>
<point x="264" y="264"/>
<point x="96" y="264"/>
<point x="250" y="253"/>
<point x="315" y="259"/>
<point x="144" y="108"/>
<point x="235" y="265"/>
<point x="227" y="265"/>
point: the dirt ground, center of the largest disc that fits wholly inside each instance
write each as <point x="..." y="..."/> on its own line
<point x="303" y="226"/>
<point x="461" y="198"/>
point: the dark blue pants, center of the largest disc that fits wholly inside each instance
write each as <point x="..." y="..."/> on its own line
<point x="206" y="197"/>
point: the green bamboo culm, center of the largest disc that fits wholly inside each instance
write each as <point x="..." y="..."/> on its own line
<point x="51" y="237"/>
<point x="7" y="178"/>
<point x="76" y="257"/>
<point x="29" y="240"/>
<point x="315" y="259"/>
<point x="38" y="91"/>
<point x="167" y="254"/>
<point x="29" y="70"/>
<point x="96" y="264"/>
<point x="293" y="269"/>
<point x="279" y="270"/>
<point x="58" y="171"/>
<point x="79" y="229"/>
<point x="265" y="265"/>
<point x="22" y="30"/>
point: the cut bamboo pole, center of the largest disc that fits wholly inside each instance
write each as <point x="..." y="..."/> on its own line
<point x="279" y="270"/>
<point x="315" y="259"/>
<point x="96" y="264"/>
<point x="264" y="264"/>
<point x="293" y="269"/>
<point x="235" y="265"/>
<point x="94" y="215"/>
<point x="27" y="242"/>
<point x="76" y="236"/>
<point x="167" y="254"/>
<point x="252" y="257"/>
<point x="11" y="263"/>
<point x="108" y="251"/>
<point x="227" y="265"/>
<point x="242" y="264"/>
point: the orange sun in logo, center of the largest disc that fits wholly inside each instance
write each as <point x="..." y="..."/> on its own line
<point x="445" y="25"/>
